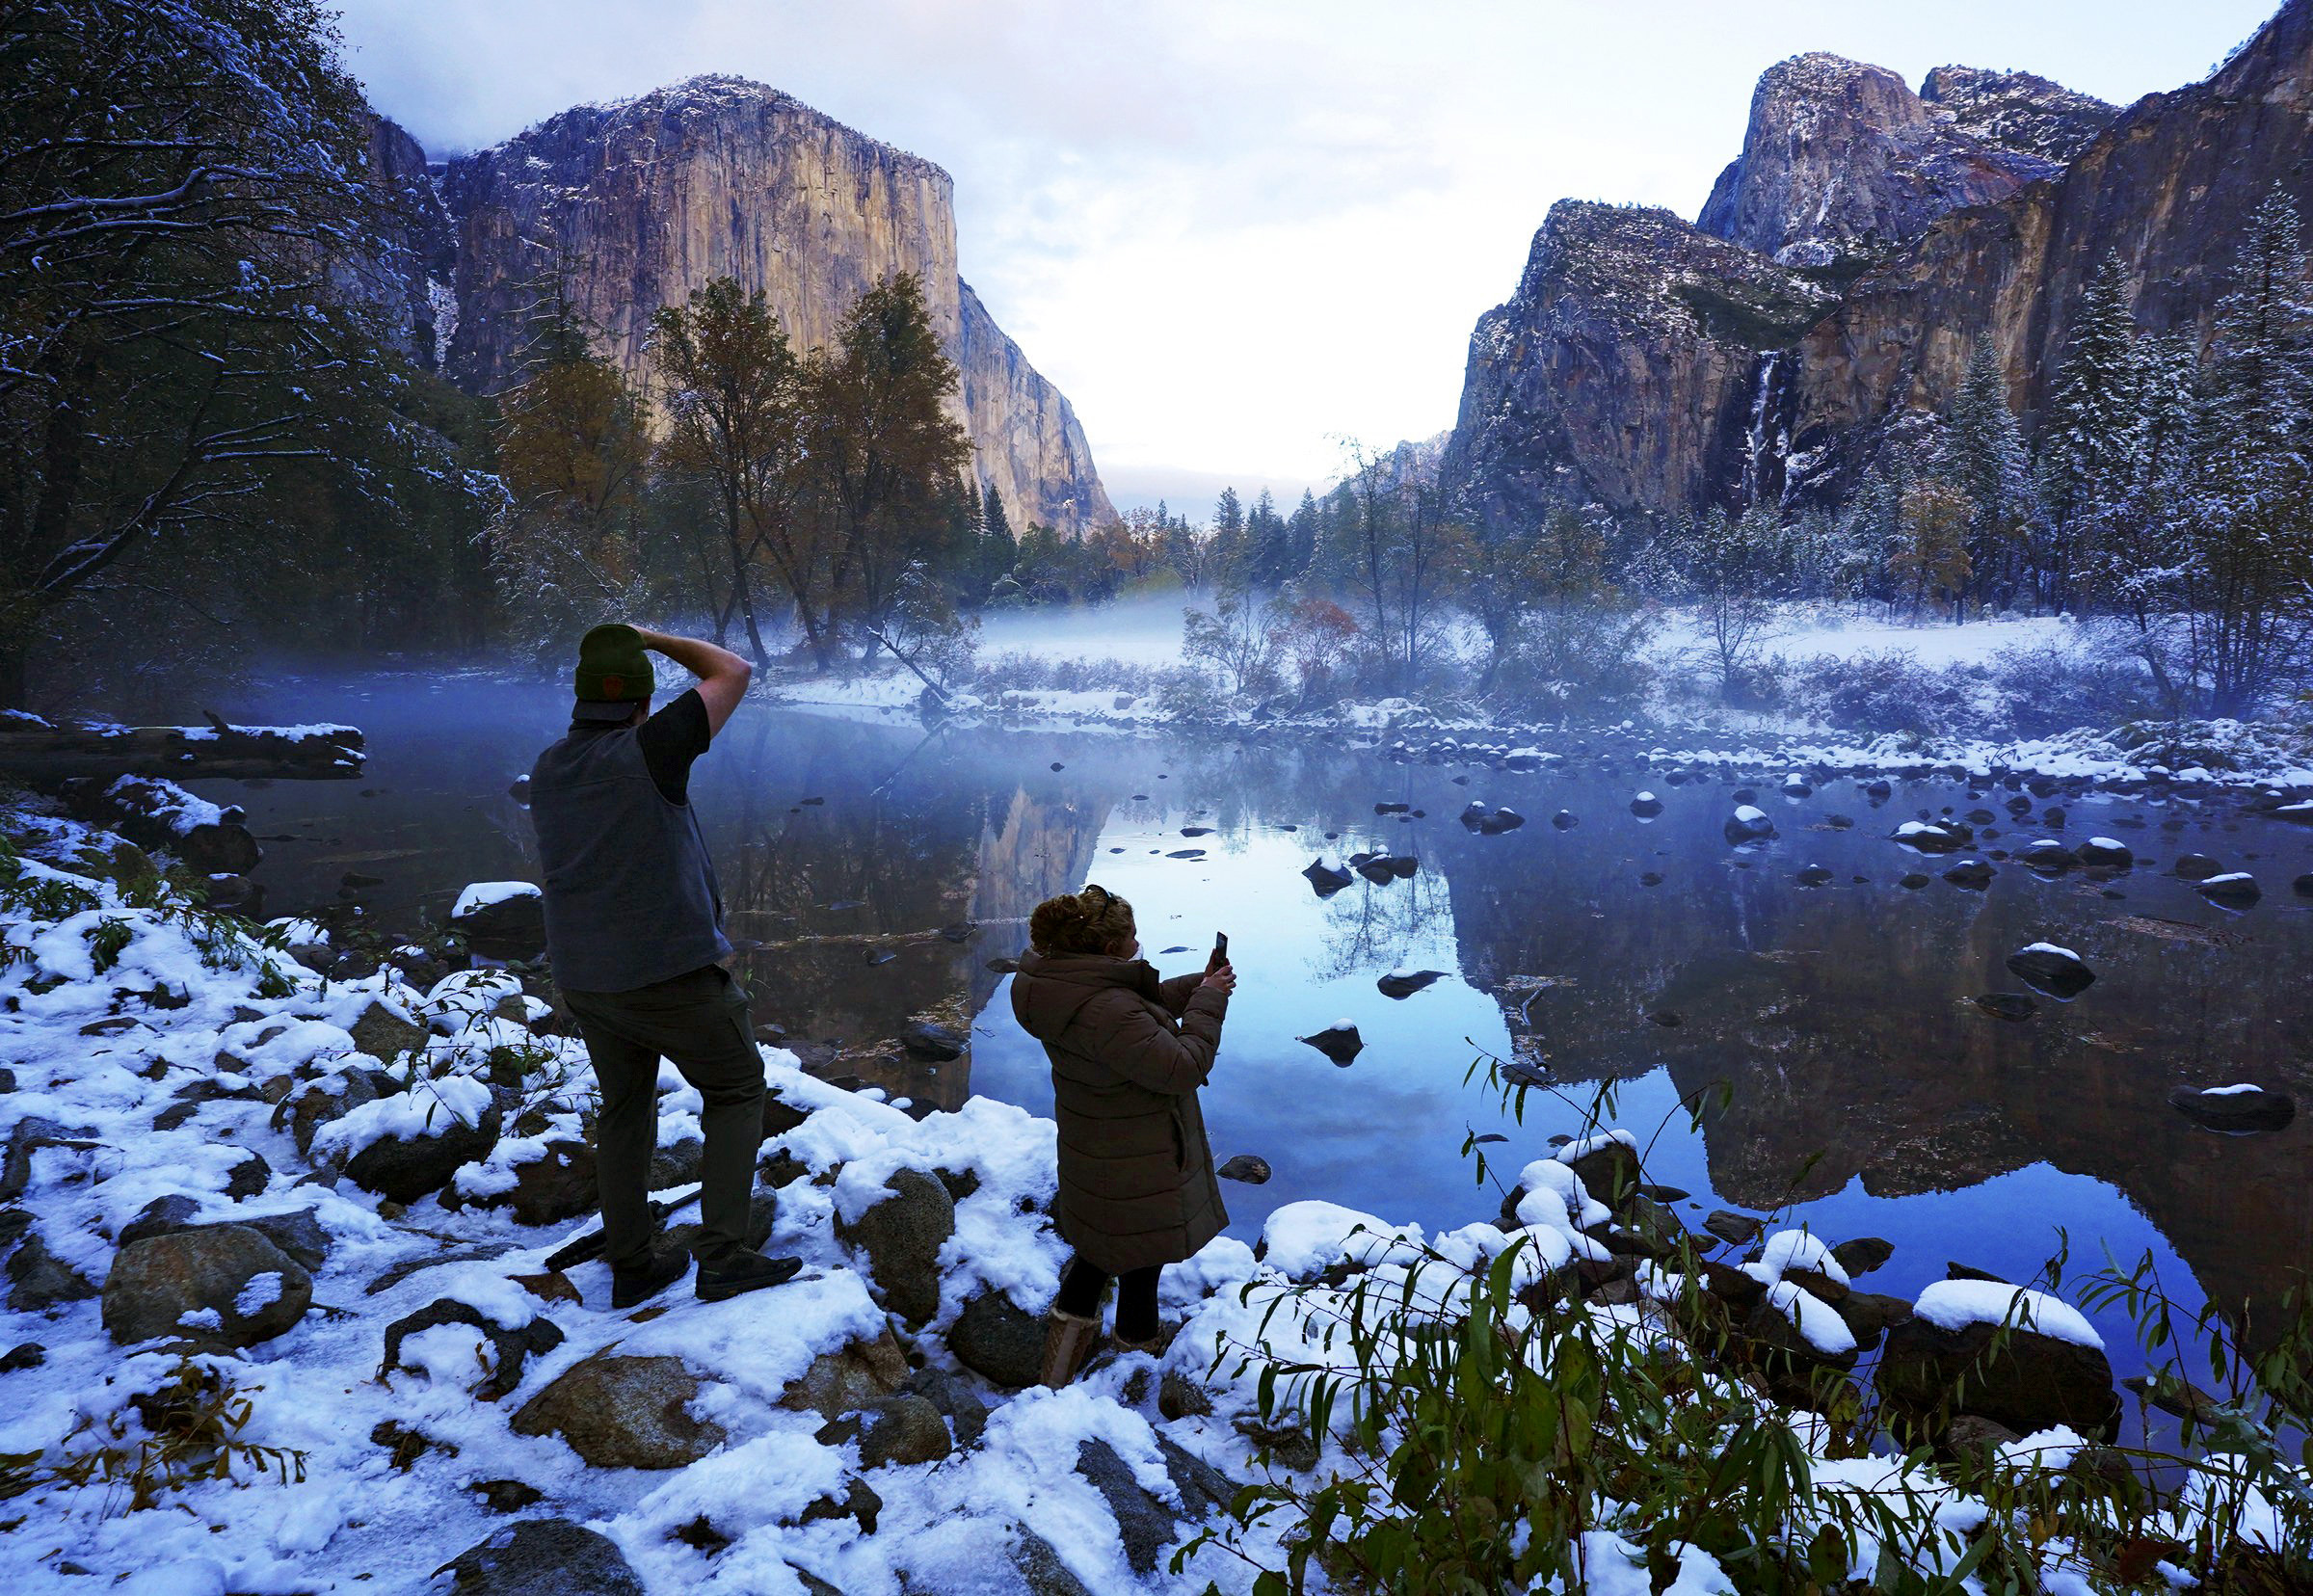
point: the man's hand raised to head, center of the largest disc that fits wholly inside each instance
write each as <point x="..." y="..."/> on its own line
<point x="723" y="675"/>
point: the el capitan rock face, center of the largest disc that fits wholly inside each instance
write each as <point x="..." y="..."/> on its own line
<point x="1922" y="224"/>
<point x="639" y="204"/>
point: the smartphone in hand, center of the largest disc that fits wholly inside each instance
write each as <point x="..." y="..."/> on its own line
<point x="1220" y="951"/>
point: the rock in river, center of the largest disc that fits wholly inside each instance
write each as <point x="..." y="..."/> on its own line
<point x="2006" y="1005"/>
<point x="1326" y="875"/>
<point x="1748" y="824"/>
<point x="1404" y="983"/>
<point x="1251" y="1168"/>
<point x="1971" y="874"/>
<point x="1339" y="1040"/>
<point x="2236" y="1109"/>
<point x="2233" y="889"/>
<point x="2057" y="972"/>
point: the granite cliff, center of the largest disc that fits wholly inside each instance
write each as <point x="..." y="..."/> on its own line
<point x="1845" y="268"/>
<point x="636" y="204"/>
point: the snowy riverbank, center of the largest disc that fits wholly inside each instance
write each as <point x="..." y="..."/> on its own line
<point x="255" y="1207"/>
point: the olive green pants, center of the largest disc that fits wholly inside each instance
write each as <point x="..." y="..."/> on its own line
<point x="697" y="1020"/>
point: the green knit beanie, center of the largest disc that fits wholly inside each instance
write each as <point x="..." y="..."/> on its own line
<point x="612" y="666"/>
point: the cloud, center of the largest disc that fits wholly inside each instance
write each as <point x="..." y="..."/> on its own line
<point x="1229" y="231"/>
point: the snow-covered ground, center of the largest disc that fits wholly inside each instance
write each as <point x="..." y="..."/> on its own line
<point x="1145" y="634"/>
<point x="1813" y="632"/>
<point x="427" y="1376"/>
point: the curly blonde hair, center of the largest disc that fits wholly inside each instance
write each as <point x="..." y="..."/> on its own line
<point x="1094" y="920"/>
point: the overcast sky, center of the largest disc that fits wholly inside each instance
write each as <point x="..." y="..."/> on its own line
<point x="1231" y="229"/>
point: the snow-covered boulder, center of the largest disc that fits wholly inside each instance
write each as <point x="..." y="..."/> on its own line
<point x="2051" y="1367"/>
<point x="408" y="1146"/>
<point x="501" y="919"/>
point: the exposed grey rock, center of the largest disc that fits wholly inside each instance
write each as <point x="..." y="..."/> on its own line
<point x="954" y="1398"/>
<point x="1396" y="985"/>
<point x="1041" y="1571"/>
<point x="1178" y="1397"/>
<point x="38" y="1279"/>
<point x="998" y="1340"/>
<point x="849" y="1378"/>
<point x="903" y="1429"/>
<point x="620" y="1412"/>
<point x="155" y="1283"/>
<point x="299" y="1233"/>
<point x="542" y="1557"/>
<point x="902" y="1235"/>
<point x="1862" y="1254"/>
<point x="2019" y="112"/>
<point x="1610" y="1174"/>
<point x="382" y="1034"/>
<point x="1144" y="1524"/>
<point x="556" y="1185"/>
<point x="1251" y="1168"/>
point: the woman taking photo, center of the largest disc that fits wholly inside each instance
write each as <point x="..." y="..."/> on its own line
<point x="1128" y="1052"/>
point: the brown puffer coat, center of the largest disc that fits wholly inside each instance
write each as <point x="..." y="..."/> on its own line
<point x="1129" y="1053"/>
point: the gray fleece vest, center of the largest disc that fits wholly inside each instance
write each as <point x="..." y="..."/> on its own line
<point x="630" y="892"/>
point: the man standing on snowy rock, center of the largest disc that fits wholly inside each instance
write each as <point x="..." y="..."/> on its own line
<point x="634" y="926"/>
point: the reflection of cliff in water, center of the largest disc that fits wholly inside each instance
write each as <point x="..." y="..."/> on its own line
<point x="881" y="902"/>
<point x="1841" y="1018"/>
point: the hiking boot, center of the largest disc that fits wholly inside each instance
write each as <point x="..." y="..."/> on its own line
<point x="1068" y="1341"/>
<point x="628" y="1287"/>
<point x="749" y="1271"/>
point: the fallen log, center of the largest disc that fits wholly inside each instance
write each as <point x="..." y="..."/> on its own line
<point x="39" y="754"/>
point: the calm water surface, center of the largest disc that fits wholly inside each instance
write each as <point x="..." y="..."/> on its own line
<point x="1866" y="1091"/>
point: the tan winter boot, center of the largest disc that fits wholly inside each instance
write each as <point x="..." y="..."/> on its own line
<point x="1068" y="1340"/>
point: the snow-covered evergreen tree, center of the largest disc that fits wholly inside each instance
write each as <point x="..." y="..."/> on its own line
<point x="2248" y="578"/>
<point x="1983" y="455"/>
<point x="2089" y="443"/>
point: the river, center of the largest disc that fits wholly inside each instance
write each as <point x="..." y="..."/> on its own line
<point x="1864" y="1091"/>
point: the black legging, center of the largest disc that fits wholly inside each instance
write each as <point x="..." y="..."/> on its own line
<point x="1082" y="1286"/>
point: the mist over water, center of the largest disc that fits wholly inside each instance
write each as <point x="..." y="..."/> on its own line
<point x="1866" y="1088"/>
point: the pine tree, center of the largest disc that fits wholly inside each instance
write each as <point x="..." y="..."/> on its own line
<point x="2248" y="578"/>
<point x="2090" y="442"/>
<point x="1983" y="455"/>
